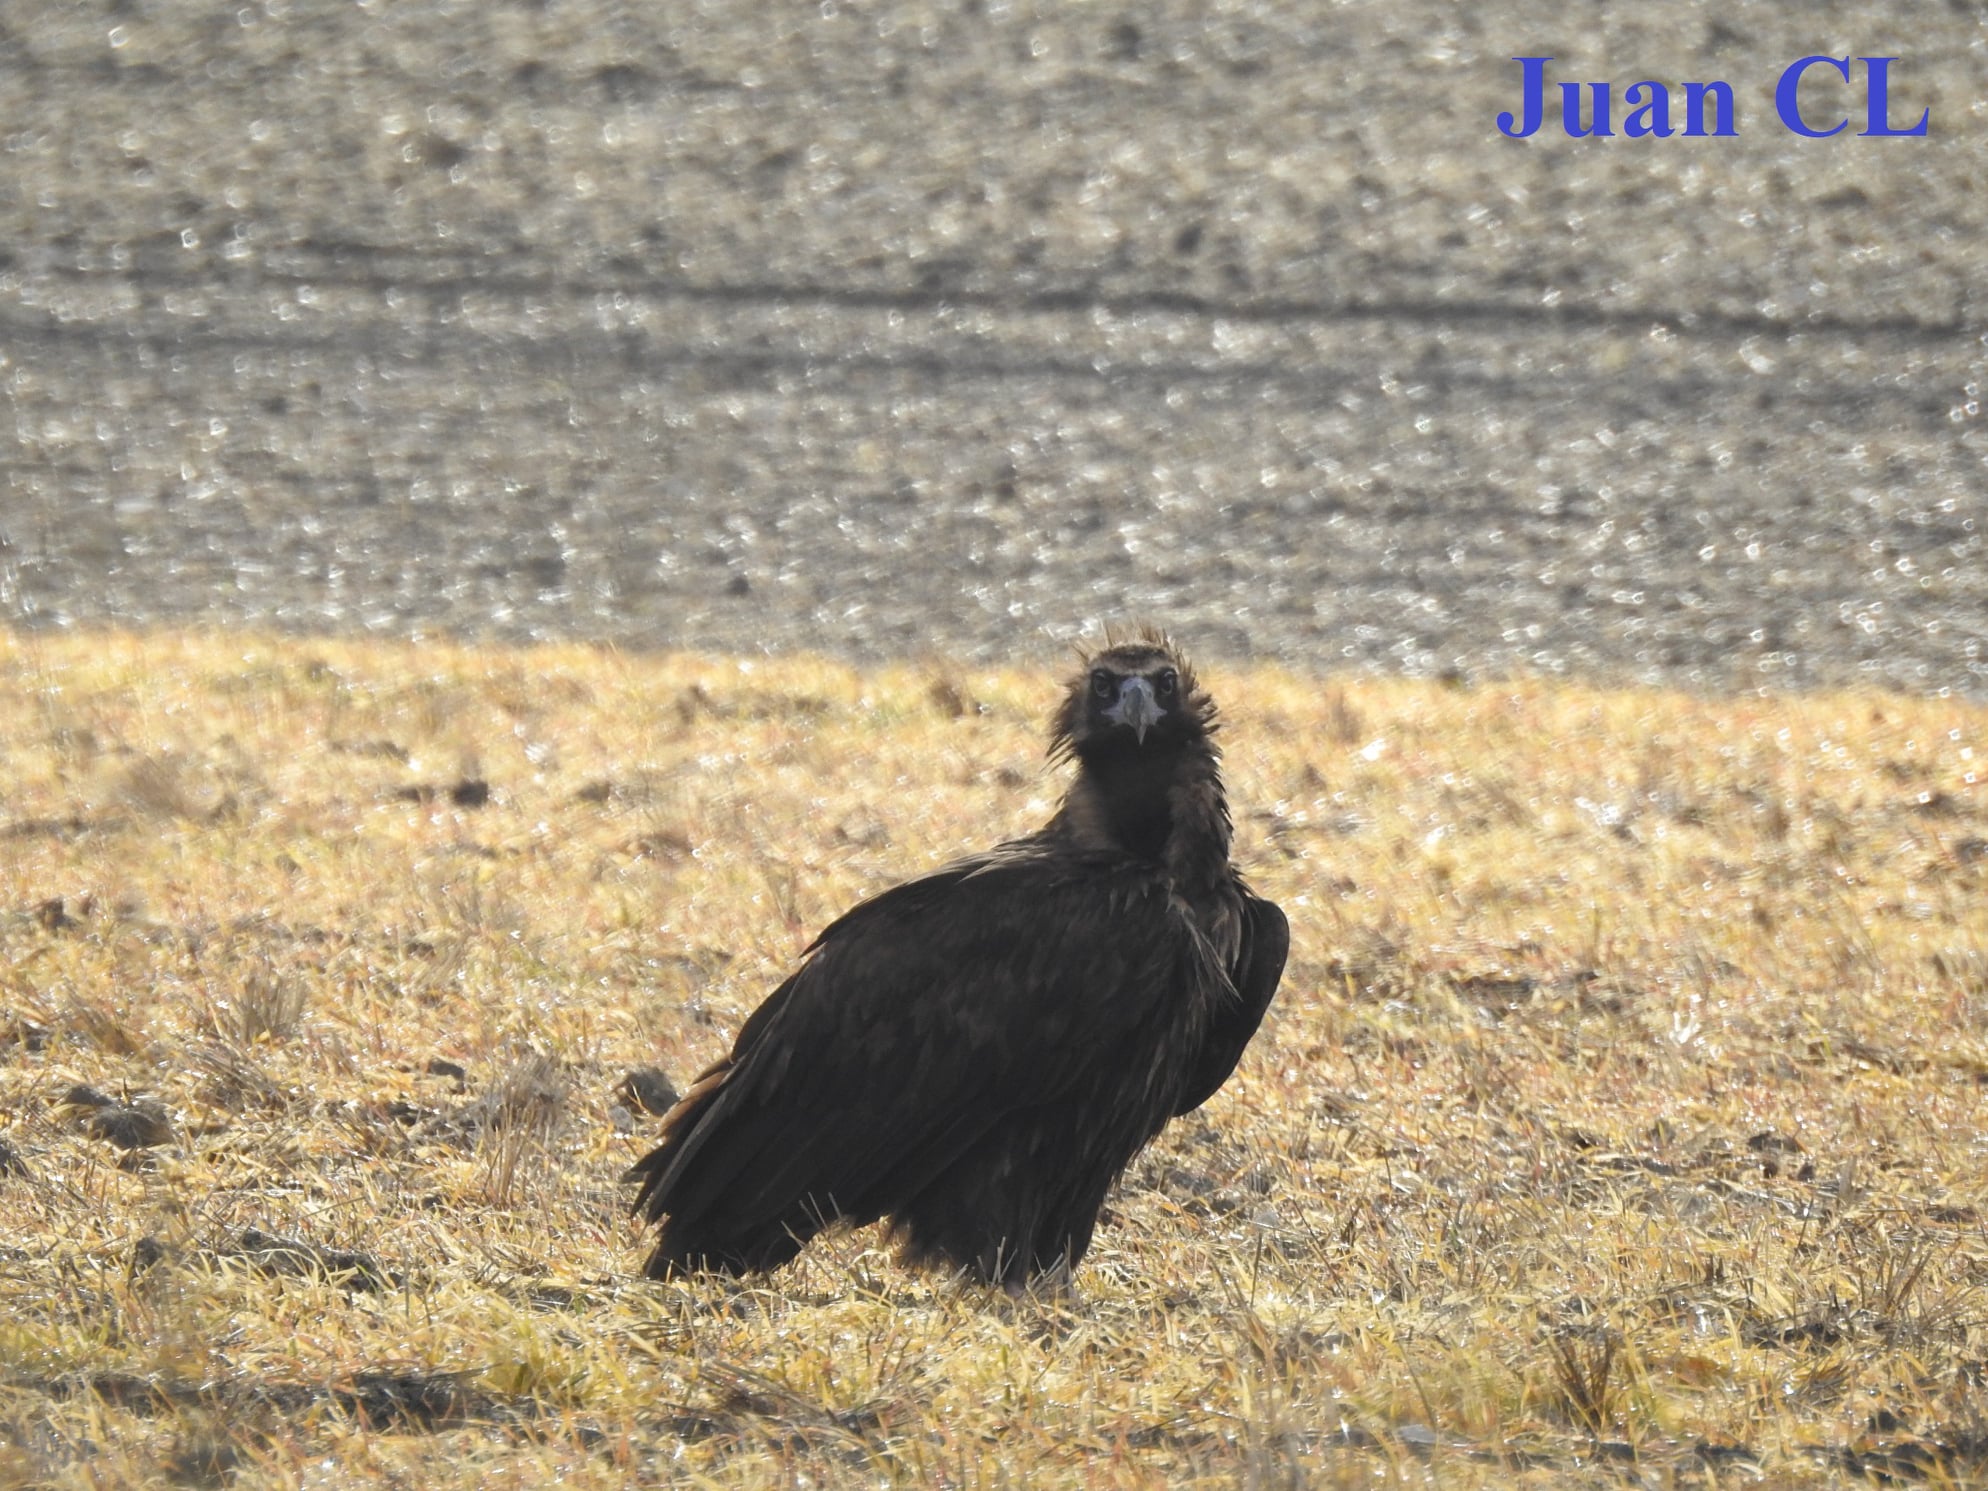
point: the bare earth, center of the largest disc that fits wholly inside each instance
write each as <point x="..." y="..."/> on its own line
<point x="876" y="330"/>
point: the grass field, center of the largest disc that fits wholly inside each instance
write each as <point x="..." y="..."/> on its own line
<point x="1621" y="1117"/>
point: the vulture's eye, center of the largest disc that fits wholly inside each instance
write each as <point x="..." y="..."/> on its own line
<point x="1103" y="684"/>
<point x="1166" y="683"/>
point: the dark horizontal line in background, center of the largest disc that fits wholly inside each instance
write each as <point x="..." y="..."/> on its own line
<point x="637" y="352"/>
<point x="419" y="272"/>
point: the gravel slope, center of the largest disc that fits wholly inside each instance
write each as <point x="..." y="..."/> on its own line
<point x="886" y="329"/>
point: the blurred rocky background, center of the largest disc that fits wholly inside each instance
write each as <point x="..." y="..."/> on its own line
<point x="960" y="327"/>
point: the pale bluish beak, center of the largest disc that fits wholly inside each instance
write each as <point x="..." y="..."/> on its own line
<point x="1135" y="708"/>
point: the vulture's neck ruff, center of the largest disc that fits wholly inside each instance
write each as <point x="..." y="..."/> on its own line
<point x="1148" y="783"/>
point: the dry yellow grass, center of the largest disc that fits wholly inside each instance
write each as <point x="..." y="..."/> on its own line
<point x="1621" y="1113"/>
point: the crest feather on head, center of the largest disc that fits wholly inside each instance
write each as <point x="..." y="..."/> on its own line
<point x="1134" y="650"/>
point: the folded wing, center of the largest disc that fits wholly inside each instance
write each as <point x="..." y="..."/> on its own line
<point x="918" y="1023"/>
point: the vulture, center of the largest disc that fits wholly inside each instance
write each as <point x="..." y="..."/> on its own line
<point x="977" y="1054"/>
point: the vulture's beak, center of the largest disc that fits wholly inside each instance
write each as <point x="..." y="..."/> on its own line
<point x="1135" y="708"/>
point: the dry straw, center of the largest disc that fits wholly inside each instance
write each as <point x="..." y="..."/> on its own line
<point x="1621" y="1114"/>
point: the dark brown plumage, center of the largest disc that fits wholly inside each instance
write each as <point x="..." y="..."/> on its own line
<point x="977" y="1054"/>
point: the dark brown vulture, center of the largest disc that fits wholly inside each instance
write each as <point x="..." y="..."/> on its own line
<point x="977" y="1054"/>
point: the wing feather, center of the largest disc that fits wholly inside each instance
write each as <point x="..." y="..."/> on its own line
<point x="919" y="1019"/>
<point x="1259" y="964"/>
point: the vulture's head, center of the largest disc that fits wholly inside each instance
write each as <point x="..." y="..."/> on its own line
<point x="1135" y="696"/>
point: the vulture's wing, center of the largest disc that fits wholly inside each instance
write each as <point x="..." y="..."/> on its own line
<point x="917" y="1021"/>
<point x="1266" y="941"/>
